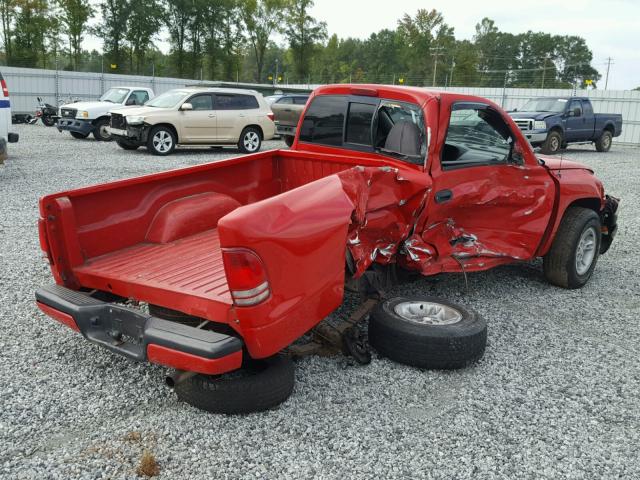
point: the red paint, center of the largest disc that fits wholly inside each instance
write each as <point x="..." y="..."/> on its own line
<point x="159" y="238"/>
<point x="62" y="317"/>
<point x="193" y="363"/>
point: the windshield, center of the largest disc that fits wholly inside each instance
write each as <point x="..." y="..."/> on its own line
<point x="115" y="95"/>
<point x="544" y="105"/>
<point x="168" y="99"/>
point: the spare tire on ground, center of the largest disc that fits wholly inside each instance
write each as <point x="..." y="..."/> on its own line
<point x="258" y="385"/>
<point x="427" y="332"/>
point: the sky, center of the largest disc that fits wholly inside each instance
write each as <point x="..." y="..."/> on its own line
<point x="611" y="28"/>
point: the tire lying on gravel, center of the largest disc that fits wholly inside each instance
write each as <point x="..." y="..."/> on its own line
<point x="574" y="253"/>
<point x="427" y="332"/>
<point x="79" y="135"/>
<point x="259" y="385"/>
<point x="124" y="144"/>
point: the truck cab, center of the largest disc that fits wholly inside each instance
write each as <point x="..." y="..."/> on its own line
<point x="552" y="123"/>
<point x="81" y="119"/>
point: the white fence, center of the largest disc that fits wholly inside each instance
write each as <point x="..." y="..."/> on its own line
<point x="25" y="84"/>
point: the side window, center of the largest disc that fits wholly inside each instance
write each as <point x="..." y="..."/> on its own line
<point x="230" y="101"/>
<point x="285" y="101"/>
<point x="201" y="102"/>
<point x="575" y="104"/>
<point x="300" y="100"/>
<point x="477" y="135"/>
<point x="359" y="122"/>
<point x="324" y="120"/>
<point x="141" y="97"/>
<point x="400" y="131"/>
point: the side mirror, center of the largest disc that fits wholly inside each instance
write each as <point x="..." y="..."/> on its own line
<point x="186" y="106"/>
<point x="576" y="112"/>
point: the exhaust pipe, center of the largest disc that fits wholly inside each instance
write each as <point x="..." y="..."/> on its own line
<point x="174" y="377"/>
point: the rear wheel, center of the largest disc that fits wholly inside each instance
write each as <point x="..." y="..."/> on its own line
<point x="127" y="145"/>
<point x="162" y="141"/>
<point x="48" y="120"/>
<point x="603" y="144"/>
<point x="79" y="135"/>
<point x="250" y="140"/>
<point x="258" y="385"/>
<point x="427" y="332"/>
<point x="573" y="255"/>
<point x="553" y="143"/>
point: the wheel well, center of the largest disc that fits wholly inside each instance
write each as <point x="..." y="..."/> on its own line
<point x="169" y="126"/>
<point x="590" y="203"/>
<point x="100" y="118"/>
<point x="557" y="129"/>
<point x="257" y="127"/>
<point x="609" y="127"/>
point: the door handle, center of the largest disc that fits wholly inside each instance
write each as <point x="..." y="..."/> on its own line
<point x="444" y="196"/>
<point x="287" y="109"/>
<point x="211" y="115"/>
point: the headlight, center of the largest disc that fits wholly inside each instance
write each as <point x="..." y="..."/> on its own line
<point x="83" y="114"/>
<point x="539" y="125"/>
<point x="135" y="120"/>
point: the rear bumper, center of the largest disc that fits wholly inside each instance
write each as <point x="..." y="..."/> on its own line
<point x="141" y="337"/>
<point x="285" y="129"/>
<point x="75" y="125"/>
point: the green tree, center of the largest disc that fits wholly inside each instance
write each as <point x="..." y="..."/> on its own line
<point x="7" y="14"/>
<point x="177" y="22"/>
<point x="31" y="21"/>
<point x="74" y="15"/>
<point x="303" y="32"/>
<point x="113" y="30"/>
<point x="143" y="23"/>
<point x="261" y="19"/>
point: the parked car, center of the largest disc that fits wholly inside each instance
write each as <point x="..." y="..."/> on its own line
<point x="195" y="116"/>
<point x="272" y="98"/>
<point x="5" y="121"/>
<point x="554" y="122"/>
<point x="287" y="111"/>
<point x="239" y="258"/>
<point x="84" y="118"/>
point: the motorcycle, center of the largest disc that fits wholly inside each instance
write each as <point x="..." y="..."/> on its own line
<point x="45" y="112"/>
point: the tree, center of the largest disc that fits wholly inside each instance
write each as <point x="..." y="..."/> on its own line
<point x="113" y="29"/>
<point x="74" y="15"/>
<point x="7" y="14"/>
<point x="261" y="19"/>
<point x="177" y="21"/>
<point x="143" y="23"/>
<point x="302" y="31"/>
<point x="31" y="22"/>
<point x="232" y="41"/>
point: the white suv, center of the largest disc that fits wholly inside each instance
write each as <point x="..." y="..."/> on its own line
<point x="195" y="116"/>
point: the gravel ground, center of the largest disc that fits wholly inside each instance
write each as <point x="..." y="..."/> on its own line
<point x="557" y="394"/>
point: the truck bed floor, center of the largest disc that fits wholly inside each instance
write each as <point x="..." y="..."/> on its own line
<point x="166" y="274"/>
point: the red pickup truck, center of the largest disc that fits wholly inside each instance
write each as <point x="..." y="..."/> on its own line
<point x="239" y="258"/>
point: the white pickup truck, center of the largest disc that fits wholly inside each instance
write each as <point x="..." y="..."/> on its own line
<point x="82" y="118"/>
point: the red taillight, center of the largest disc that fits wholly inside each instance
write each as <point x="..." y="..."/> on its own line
<point x="271" y="116"/>
<point x="5" y="90"/>
<point x="246" y="276"/>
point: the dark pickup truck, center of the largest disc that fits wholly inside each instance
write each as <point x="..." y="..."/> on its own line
<point x="553" y="122"/>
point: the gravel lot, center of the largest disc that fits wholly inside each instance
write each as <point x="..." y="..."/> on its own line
<point x="557" y="394"/>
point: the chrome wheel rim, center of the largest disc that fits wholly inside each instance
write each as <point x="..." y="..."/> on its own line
<point x="554" y="143"/>
<point x="427" y="313"/>
<point x="162" y="141"/>
<point x="251" y="141"/>
<point x="586" y="251"/>
<point x="606" y="141"/>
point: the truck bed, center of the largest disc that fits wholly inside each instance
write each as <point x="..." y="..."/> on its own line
<point x="195" y="272"/>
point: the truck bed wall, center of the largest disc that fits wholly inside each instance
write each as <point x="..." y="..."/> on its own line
<point x="98" y="220"/>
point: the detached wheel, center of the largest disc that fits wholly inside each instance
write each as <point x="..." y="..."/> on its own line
<point x="552" y="144"/>
<point x="78" y="135"/>
<point x="603" y="144"/>
<point x="162" y="141"/>
<point x="127" y="145"/>
<point x="250" y="140"/>
<point x="288" y="139"/>
<point x="100" y="130"/>
<point x="260" y="385"/>
<point x="574" y="253"/>
<point x="427" y="332"/>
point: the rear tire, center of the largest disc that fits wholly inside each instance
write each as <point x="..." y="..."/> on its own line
<point x="127" y="145"/>
<point x="78" y="135"/>
<point x="100" y="131"/>
<point x="250" y="140"/>
<point x="259" y="385"/>
<point x="552" y="144"/>
<point x="603" y="144"/>
<point x="574" y="253"/>
<point x="161" y="141"/>
<point x="48" y="121"/>
<point x="403" y="331"/>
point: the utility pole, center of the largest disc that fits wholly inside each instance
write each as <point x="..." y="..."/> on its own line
<point x="453" y="65"/>
<point x="544" y="69"/>
<point x="606" y="82"/>
<point x="275" y="78"/>
<point x="436" y="53"/>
